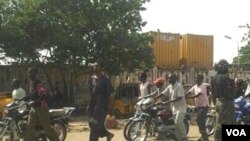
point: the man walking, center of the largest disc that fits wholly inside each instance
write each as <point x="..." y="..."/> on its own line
<point x="201" y="91"/>
<point x="100" y="103"/>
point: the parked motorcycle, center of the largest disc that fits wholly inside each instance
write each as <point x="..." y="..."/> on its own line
<point x="14" y="122"/>
<point x="242" y="113"/>
<point x="153" y="116"/>
<point x="242" y="107"/>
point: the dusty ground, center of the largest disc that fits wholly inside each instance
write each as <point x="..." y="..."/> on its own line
<point x="78" y="131"/>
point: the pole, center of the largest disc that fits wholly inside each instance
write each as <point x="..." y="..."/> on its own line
<point x="238" y="50"/>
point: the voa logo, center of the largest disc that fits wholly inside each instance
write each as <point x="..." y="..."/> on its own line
<point x="236" y="132"/>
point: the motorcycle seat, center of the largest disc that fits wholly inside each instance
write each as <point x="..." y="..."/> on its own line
<point x="165" y="113"/>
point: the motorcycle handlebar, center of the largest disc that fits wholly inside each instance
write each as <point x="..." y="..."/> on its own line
<point x="158" y="103"/>
<point x="69" y="110"/>
<point x="147" y="96"/>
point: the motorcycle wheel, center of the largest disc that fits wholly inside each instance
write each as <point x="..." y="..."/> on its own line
<point x="125" y="130"/>
<point x="138" y="131"/>
<point x="8" y="136"/>
<point x="210" y="124"/>
<point x="61" y="129"/>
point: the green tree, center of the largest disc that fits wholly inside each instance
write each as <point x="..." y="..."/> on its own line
<point x="77" y="32"/>
<point x="71" y="33"/>
<point x="245" y="50"/>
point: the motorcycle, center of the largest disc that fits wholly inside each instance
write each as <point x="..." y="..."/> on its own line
<point x="242" y="108"/>
<point x="153" y="117"/>
<point x="139" y="108"/>
<point x="242" y="114"/>
<point x="13" y="123"/>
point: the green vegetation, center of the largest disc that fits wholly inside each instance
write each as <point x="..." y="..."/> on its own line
<point x="69" y="34"/>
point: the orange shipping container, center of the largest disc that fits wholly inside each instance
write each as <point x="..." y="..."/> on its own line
<point x="197" y="51"/>
<point x="166" y="50"/>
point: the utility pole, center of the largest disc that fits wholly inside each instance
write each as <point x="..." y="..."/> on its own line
<point x="238" y="49"/>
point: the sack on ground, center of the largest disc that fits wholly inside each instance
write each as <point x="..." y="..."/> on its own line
<point x="111" y="122"/>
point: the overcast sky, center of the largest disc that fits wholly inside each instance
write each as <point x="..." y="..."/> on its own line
<point x="206" y="17"/>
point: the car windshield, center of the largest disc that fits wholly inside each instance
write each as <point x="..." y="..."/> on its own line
<point x="127" y="92"/>
<point x="5" y="94"/>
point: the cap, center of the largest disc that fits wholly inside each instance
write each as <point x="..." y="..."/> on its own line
<point x="159" y="81"/>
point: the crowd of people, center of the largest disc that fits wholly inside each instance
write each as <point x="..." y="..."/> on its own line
<point x="222" y="88"/>
<point x="175" y="95"/>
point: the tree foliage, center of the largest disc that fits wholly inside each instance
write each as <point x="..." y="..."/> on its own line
<point x="67" y="34"/>
<point x="245" y="50"/>
<point x="76" y="32"/>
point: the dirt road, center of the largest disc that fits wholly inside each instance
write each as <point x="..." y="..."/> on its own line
<point x="78" y="131"/>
